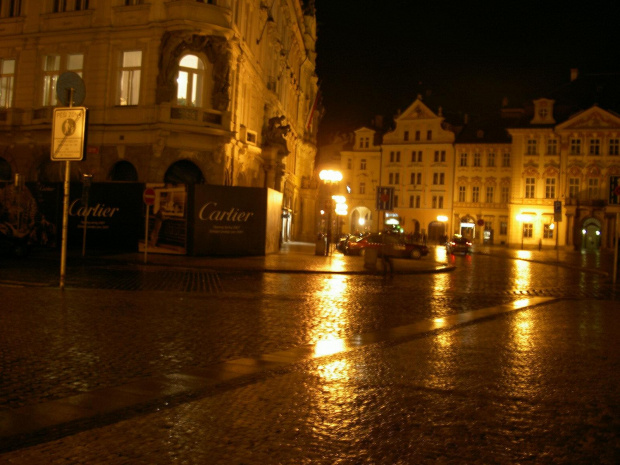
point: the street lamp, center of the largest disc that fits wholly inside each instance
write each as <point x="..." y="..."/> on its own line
<point x="330" y="178"/>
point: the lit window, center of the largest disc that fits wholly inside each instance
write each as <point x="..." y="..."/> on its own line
<point x="531" y="147"/>
<point x="505" y="193"/>
<point x="506" y="160"/>
<point x="190" y="81"/>
<point x="7" y="81"/>
<point x="530" y="188"/>
<point x="548" y="231"/>
<point x="129" y="92"/>
<point x="490" y="194"/>
<point x="491" y="159"/>
<point x="573" y="188"/>
<point x="477" y="161"/>
<point x="593" y="188"/>
<point x="550" y="188"/>
<point x="475" y="194"/>
<point x="462" y="193"/>
<point x="51" y="71"/>
<point x="463" y="159"/>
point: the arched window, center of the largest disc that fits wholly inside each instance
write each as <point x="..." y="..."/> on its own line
<point x="190" y="81"/>
<point x="184" y="172"/>
<point x="123" y="171"/>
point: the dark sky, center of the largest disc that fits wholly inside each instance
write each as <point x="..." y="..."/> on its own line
<point x="374" y="57"/>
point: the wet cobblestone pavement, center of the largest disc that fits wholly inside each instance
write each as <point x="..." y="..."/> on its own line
<point x="538" y="385"/>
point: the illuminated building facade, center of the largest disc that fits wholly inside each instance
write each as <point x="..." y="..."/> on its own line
<point x="217" y="92"/>
<point x="541" y="175"/>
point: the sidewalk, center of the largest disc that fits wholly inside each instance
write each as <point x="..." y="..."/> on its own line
<point x="300" y="257"/>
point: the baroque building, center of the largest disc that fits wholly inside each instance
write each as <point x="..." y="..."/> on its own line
<point x="219" y="92"/>
<point x="542" y="175"/>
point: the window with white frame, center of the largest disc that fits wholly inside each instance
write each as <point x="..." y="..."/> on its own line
<point x="552" y="146"/>
<point x="475" y="194"/>
<point x="477" y="159"/>
<point x="503" y="227"/>
<point x="575" y="147"/>
<point x="490" y="194"/>
<point x="52" y="67"/>
<point x="530" y="188"/>
<point x="505" y="194"/>
<point x="506" y="159"/>
<point x="548" y="231"/>
<point x="595" y="147"/>
<point x="573" y="188"/>
<point x="550" y="188"/>
<point x="131" y="67"/>
<point x="7" y="82"/>
<point x="463" y="159"/>
<point x="190" y="81"/>
<point x="462" y="193"/>
<point x="491" y="159"/>
<point x="532" y="145"/>
<point x="614" y="147"/>
<point x="593" y="188"/>
<point x="51" y="71"/>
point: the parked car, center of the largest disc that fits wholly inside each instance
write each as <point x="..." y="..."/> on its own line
<point x="391" y="244"/>
<point x="458" y="244"/>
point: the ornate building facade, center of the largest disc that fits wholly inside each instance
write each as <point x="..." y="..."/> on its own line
<point x="541" y="175"/>
<point x="179" y="91"/>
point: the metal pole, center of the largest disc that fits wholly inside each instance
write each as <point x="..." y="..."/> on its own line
<point x="65" y="228"/>
<point x="146" y="232"/>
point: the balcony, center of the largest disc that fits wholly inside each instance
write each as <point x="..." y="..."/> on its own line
<point x="190" y="10"/>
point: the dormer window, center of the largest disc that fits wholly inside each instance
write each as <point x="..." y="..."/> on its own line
<point x="543" y="111"/>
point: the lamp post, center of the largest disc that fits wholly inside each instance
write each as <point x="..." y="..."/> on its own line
<point x="330" y="178"/>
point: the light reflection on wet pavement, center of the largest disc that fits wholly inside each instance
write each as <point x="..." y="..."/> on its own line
<point x="538" y="385"/>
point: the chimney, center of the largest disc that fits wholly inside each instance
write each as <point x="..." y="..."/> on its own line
<point x="574" y="74"/>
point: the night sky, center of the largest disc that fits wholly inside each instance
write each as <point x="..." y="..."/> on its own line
<point x="375" y="57"/>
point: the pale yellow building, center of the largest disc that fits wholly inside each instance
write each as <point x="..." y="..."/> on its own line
<point x="216" y="91"/>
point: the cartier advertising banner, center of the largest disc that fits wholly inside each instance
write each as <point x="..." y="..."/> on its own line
<point x="235" y="221"/>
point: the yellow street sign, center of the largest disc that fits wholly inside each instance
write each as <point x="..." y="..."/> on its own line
<point x="68" y="129"/>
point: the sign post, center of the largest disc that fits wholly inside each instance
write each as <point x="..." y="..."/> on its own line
<point x="149" y="199"/>
<point x="68" y="130"/>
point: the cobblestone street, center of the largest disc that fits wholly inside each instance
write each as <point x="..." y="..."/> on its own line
<point x="499" y="360"/>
